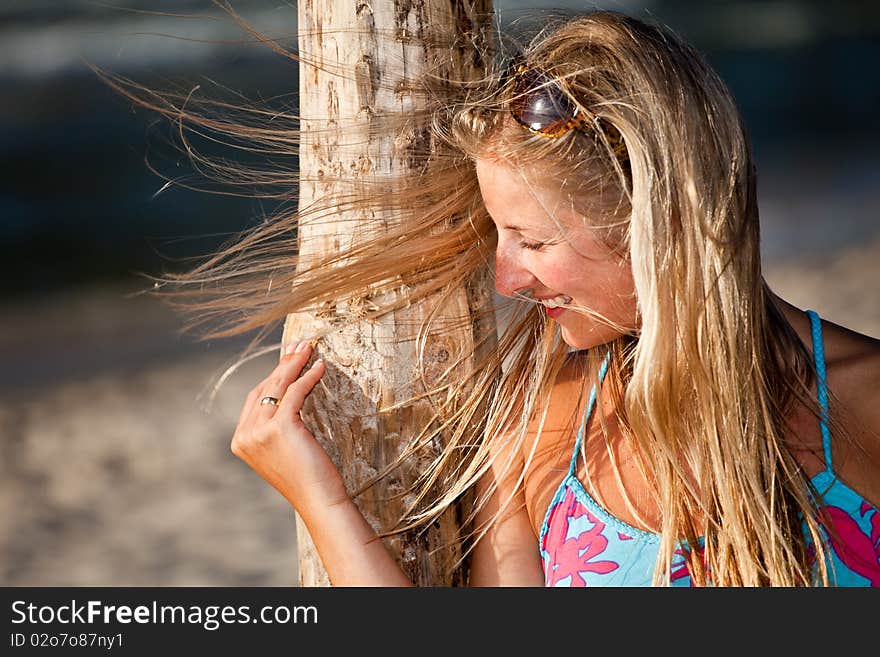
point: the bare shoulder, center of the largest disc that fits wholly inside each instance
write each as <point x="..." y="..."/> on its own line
<point x="853" y="359"/>
<point x="852" y="362"/>
<point x="852" y="367"/>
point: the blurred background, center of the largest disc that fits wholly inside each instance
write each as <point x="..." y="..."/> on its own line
<point x="114" y="471"/>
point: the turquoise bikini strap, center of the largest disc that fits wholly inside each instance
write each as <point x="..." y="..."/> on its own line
<point x="821" y="384"/>
<point x="580" y="435"/>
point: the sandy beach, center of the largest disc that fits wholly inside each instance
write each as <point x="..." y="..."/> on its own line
<point x="116" y="473"/>
<point x="114" y="470"/>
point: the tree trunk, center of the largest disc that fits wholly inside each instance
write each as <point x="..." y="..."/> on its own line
<point x="368" y="362"/>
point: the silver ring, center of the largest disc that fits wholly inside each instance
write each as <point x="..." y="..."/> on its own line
<point x="269" y="400"/>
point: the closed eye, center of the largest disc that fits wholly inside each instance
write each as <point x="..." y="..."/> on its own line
<point x="532" y="246"/>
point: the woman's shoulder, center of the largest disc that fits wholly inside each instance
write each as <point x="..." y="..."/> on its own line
<point x="852" y="359"/>
<point x="852" y="367"/>
<point x="852" y="362"/>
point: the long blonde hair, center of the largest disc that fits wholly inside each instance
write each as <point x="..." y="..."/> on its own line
<point x="709" y="378"/>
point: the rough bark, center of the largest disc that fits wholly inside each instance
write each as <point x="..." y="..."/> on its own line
<point x="354" y="72"/>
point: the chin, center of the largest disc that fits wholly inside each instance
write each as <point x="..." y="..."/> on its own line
<point x="586" y="338"/>
<point x="576" y="341"/>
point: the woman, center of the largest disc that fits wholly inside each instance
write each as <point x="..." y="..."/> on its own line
<point x="663" y="417"/>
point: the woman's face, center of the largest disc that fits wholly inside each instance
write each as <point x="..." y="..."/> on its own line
<point x="545" y="248"/>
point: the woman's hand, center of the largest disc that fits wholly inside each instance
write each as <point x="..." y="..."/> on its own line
<point x="273" y="440"/>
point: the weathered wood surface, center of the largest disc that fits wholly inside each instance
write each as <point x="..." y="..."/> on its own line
<point x="358" y="56"/>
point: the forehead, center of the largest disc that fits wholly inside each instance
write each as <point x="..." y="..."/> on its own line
<point x="517" y="198"/>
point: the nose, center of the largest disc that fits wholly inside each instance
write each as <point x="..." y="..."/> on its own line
<point x="510" y="274"/>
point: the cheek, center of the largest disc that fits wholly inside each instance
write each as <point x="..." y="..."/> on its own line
<point x="557" y="278"/>
<point x="605" y="286"/>
<point x="618" y="274"/>
<point x="572" y="274"/>
<point x="620" y="299"/>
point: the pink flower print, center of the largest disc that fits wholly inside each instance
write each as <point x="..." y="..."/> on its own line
<point x="575" y="555"/>
<point x="680" y="565"/>
<point x="857" y="550"/>
<point x="875" y="524"/>
<point x="679" y="571"/>
<point x="556" y="530"/>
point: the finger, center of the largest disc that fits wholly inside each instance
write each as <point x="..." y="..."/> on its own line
<point x="274" y="385"/>
<point x="250" y="411"/>
<point x="248" y="403"/>
<point x="296" y="393"/>
<point x="287" y="371"/>
<point x="244" y="418"/>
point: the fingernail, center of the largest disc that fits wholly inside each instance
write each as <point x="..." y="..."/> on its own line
<point x="290" y="348"/>
<point x="302" y="345"/>
<point x="316" y="363"/>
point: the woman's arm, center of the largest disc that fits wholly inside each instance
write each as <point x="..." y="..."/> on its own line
<point x="351" y="551"/>
<point x="275" y="443"/>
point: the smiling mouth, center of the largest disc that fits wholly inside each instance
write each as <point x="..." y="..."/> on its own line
<point x="559" y="301"/>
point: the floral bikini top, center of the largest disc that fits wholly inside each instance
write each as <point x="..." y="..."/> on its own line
<point x="581" y="544"/>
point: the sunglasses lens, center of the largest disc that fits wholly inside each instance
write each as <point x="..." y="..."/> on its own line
<point x="539" y="104"/>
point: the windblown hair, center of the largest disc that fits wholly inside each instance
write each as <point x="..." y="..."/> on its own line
<point x="708" y="379"/>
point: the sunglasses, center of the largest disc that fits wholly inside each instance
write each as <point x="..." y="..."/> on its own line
<point x="540" y="103"/>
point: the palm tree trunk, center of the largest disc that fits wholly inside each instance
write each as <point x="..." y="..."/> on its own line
<point x="351" y="73"/>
